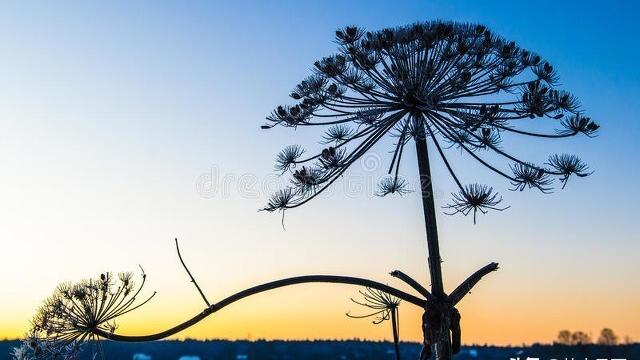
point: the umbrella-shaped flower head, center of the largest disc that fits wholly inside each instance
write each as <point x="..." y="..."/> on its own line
<point x="453" y="84"/>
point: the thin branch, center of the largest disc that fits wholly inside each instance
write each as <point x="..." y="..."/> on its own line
<point x="336" y="279"/>
<point x="466" y="286"/>
<point x="191" y="276"/>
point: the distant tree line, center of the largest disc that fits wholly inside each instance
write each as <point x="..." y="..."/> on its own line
<point x="328" y="349"/>
<point x="606" y="337"/>
<point x="323" y="350"/>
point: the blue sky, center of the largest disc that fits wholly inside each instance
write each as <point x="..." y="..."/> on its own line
<point x="111" y="114"/>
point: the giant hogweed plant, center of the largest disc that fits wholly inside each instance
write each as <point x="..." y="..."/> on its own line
<point x="447" y="84"/>
<point x="432" y="85"/>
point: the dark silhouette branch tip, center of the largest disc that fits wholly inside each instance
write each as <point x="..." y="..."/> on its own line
<point x="193" y="280"/>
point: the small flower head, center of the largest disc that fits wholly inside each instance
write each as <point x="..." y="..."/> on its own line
<point x="337" y="133"/>
<point x="458" y="139"/>
<point x="280" y="201"/>
<point x="564" y="101"/>
<point x="474" y="198"/>
<point x="287" y="158"/>
<point x="307" y="179"/>
<point x="579" y="124"/>
<point x="332" y="158"/>
<point x="392" y="185"/>
<point x="546" y="73"/>
<point x="349" y="35"/>
<point x="567" y="165"/>
<point x="379" y="302"/>
<point x="488" y="139"/>
<point x="530" y="176"/>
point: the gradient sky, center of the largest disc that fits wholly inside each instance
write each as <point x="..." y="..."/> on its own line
<point x="125" y="124"/>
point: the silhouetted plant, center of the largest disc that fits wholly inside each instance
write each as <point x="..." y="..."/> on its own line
<point x="70" y="317"/>
<point x="454" y="85"/>
<point x="80" y="313"/>
<point x="383" y="307"/>
<point x="457" y="84"/>
<point x="450" y="84"/>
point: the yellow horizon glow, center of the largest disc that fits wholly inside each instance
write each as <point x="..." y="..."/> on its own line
<point x="308" y="312"/>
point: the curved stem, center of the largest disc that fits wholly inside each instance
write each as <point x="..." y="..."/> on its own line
<point x="336" y="279"/>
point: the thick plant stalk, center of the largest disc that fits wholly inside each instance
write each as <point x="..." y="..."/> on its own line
<point x="395" y="324"/>
<point x="428" y="205"/>
<point x="443" y="344"/>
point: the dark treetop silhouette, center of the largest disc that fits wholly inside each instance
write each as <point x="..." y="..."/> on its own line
<point x="451" y="84"/>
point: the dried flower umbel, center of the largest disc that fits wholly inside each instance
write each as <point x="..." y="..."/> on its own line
<point x="475" y="198"/>
<point x="381" y="307"/>
<point x="75" y="312"/>
<point x="453" y="85"/>
<point x="449" y="82"/>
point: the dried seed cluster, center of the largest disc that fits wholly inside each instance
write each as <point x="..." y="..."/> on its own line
<point x="455" y="84"/>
